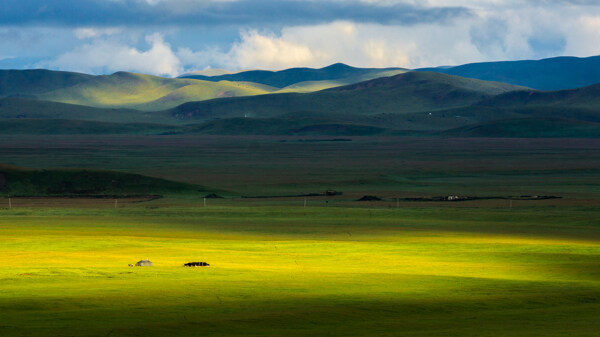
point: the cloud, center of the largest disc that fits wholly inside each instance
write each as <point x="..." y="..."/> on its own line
<point x="27" y="44"/>
<point x="586" y="39"/>
<point x="91" y="32"/>
<point x="103" y="56"/>
<point x="507" y="34"/>
<point x="363" y="45"/>
<point x="103" y="36"/>
<point x="533" y="32"/>
<point x="214" y="13"/>
<point x="488" y="36"/>
<point x="262" y="51"/>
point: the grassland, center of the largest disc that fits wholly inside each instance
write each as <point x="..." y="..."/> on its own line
<point x="80" y="182"/>
<point x="145" y="92"/>
<point x="282" y="270"/>
<point x="389" y="166"/>
<point x="337" y="267"/>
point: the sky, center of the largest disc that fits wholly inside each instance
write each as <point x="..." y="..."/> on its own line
<point x="172" y="37"/>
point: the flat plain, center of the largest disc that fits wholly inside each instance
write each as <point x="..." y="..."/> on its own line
<point x="336" y="267"/>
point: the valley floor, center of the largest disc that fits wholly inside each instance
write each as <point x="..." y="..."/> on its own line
<point x="276" y="270"/>
<point x="387" y="166"/>
<point x="336" y="267"/>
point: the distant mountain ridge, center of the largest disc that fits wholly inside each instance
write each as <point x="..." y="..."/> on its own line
<point x="586" y="97"/>
<point x="153" y="93"/>
<point x="27" y="83"/>
<point x="403" y="93"/>
<point x="556" y="73"/>
<point x="288" y="77"/>
<point x="414" y="103"/>
<point x="393" y="102"/>
<point x="118" y="90"/>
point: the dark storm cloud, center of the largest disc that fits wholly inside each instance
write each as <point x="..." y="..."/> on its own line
<point x="207" y="13"/>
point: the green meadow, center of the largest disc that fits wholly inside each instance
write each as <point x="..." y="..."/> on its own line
<point x="336" y="267"/>
<point x="282" y="269"/>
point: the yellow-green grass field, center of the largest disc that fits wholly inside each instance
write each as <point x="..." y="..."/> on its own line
<point x="281" y="270"/>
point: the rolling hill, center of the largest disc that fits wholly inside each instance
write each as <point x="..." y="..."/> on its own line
<point x="464" y="122"/>
<point x="403" y="93"/>
<point x="153" y="93"/>
<point x="548" y="74"/>
<point x="411" y="103"/>
<point x="25" y="126"/>
<point x="146" y="92"/>
<point x="119" y="90"/>
<point x="586" y="97"/>
<point x="415" y="103"/>
<point x="17" y="108"/>
<point x="335" y="73"/>
<point x="28" y="83"/>
<point x="528" y="128"/>
<point x="17" y="181"/>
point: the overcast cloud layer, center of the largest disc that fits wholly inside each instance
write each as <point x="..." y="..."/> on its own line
<point x="169" y="37"/>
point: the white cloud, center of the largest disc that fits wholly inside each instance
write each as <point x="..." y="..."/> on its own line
<point x="586" y="39"/>
<point x="363" y="45"/>
<point x="497" y="30"/>
<point x="91" y="32"/>
<point x="180" y="5"/>
<point x="101" y="56"/>
<point x="505" y="33"/>
<point x="265" y="51"/>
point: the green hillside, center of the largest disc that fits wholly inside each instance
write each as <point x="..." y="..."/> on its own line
<point x="36" y="109"/>
<point x="311" y="86"/>
<point x="28" y="83"/>
<point x="556" y="73"/>
<point x="529" y="128"/>
<point x="416" y="103"/>
<point x="146" y="92"/>
<point x="15" y="181"/>
<point x="473" y="115"/>
<point x="404" y="93"/>
<point x="474" y="121"/>
<point x="153" y="93"/>
<point x="25" y="126"/>
<point x="288" y="77"/>
<point x="413" y="103"/>
<point x="586" y="97"/>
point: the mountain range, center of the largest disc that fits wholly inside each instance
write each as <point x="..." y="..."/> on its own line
<point x="556" y="73"/>
<point x="338" y="73"/>
<point x="335" y="100"/>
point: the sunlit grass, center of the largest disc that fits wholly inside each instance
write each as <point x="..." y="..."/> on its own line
<point x="284" y="270"/>
<point x="147" y="92"/>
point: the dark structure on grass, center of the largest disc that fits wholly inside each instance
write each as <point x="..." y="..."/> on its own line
<point x="144" y="263"/>
<point x="369" y="198"/>
<point x="196" y="264"/>
<point x="331" y="193"/>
